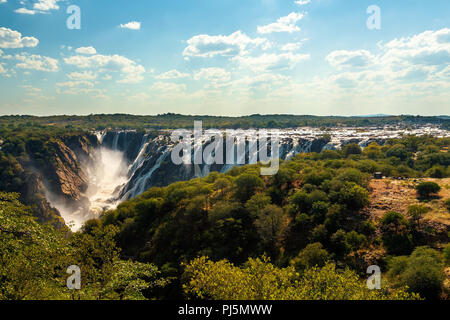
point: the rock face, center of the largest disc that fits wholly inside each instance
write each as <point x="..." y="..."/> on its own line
<point x="65" y="173"/>
<point x="60" y="177"/>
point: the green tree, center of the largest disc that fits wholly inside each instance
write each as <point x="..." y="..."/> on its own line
<point x="416" y="212"/>
<point x="354" y="196"/>
<point x="421" y="272"/>
<point x="351" y="149"/>
<point x="271" y="223"/>
<point x="313" y="255"/>
<point x="426" y="189"/>
<point x="247" y="185"/>
<point x="258" y="279"/>
<point x="395" y="233"/>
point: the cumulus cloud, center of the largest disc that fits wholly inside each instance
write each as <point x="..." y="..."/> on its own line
<point x="419" y="58"/>
<point x="46" y="5"/>
<point x="212" y="74"/>
<point x="36" y="62"/>
<point x="85" y="75"/>
<point x="291" y="46"/>
<point x="133" y="25"/>
<point x="41" y="6"/>
<point x="24" y="11"/>
<point x="11" y="39"/>
<point x="207" y="46"/>
<point x="283" y="24"/>
<point x="129" y="69"/>
<point x="351" y="59"/>
<point x="86" y="50"/>
<point x="271" y="61"/>
<point x="429" y="48"/>
<point x="172" y="74"/>
<point x="72" y="84"/>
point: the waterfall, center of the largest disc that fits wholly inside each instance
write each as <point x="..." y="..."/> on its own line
<point x="127" y="162"/>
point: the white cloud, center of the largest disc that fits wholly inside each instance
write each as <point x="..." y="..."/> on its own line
<point x="352" y="59"/>
<point x="72" y="84"/>
<point x="213" y="74"/>
<point x="271" y="61"/>
<point x="429" y="48"/>
<point x="86" y="75"/>
<point x="133" y="25"/>
<point x="41" y="6"/>
<point x="24" y="11"/>
<point x="32" y="91"/>
<point x="46" y="5"/>
<point x="168" y="89"/>
<point x="283" y="24"/>
<point x="36" y="62"/>
<point x="3" y="1"/>
<point x="302" y="2"/>
<point x="86" y="50"/>
<point x="172" y="74"/>
<point x="420" y="58"/>
<point x="207" y="46"/>
<point x="129" y="69"/>
<point x="10" y="39"/>
<point x="291" y="46"/>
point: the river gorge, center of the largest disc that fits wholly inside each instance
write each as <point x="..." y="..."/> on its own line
<point x="98" y="173"/>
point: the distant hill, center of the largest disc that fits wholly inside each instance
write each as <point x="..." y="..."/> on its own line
<point x="172" y="121"/>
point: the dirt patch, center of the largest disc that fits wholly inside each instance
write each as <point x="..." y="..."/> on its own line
<point x="397" y="195"/>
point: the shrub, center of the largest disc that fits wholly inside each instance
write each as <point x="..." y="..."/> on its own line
<point x="258" y="279"/>
<point x="436" y="172"/>
<point x="421" y="272"/>
<point x="416" y="212"/>
<point x="354" y="196"/>
<point x="426" y="189"/>
<point x="313" y="255"/>
<point x="351" y="148"/>
<point x="247" y="185"/>
<point x="396" y="236"/>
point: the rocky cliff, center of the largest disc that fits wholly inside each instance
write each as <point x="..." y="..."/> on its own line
<point x="60" y="177"/>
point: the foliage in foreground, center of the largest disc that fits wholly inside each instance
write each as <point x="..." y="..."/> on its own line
<point x="421" y="272"/>
<point x="34" y="259"/>
<point x="258" y="279"/>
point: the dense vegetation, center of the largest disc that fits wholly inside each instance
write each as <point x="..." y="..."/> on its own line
<point x="35" y="259"/>
<point x="278" y="237"/>
<point x="308" y="215"/>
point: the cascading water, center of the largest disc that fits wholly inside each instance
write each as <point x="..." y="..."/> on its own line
<point x="106" y="175"/>
<point x="127" y="163"/>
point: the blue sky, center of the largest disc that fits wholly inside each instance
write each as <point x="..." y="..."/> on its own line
<point x="225" y="57"/>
